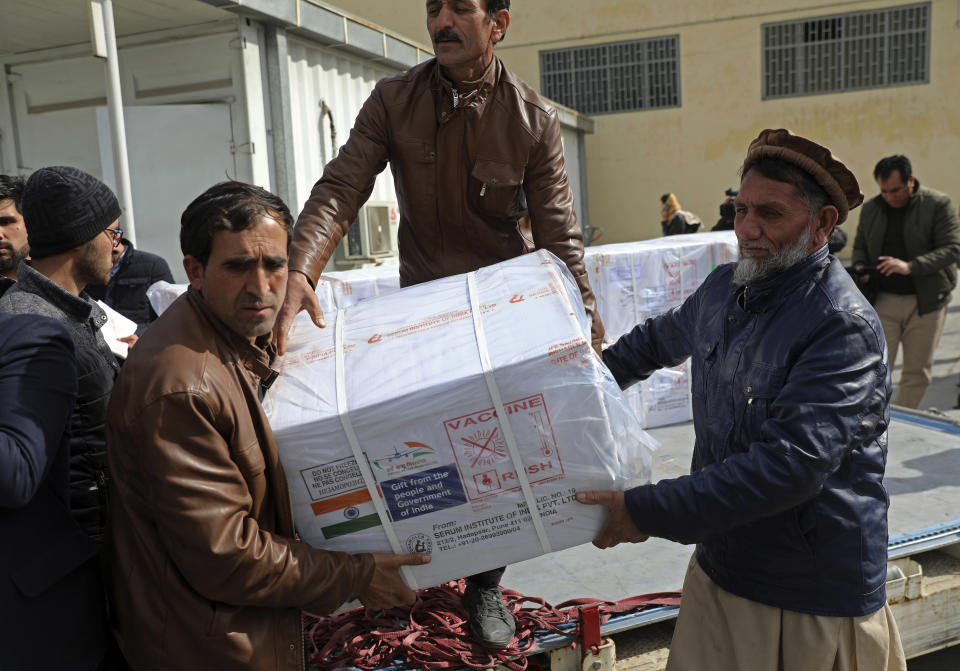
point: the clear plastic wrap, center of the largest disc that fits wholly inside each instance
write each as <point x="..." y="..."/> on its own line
<point x="422" y="373"/>
<point x="352" y="286"/>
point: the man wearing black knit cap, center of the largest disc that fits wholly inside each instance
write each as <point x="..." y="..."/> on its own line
<point x="791" y="390"/>
<point x="72" y="227"/>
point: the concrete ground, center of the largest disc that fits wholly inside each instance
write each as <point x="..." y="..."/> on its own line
<point x="942" y="396"/>
<point x="943" y="390"/>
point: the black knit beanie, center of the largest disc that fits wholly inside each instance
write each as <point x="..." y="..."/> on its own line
<point x="65" y="207"/>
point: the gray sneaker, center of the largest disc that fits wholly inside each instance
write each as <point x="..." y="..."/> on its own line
<point x="490" y="622"/>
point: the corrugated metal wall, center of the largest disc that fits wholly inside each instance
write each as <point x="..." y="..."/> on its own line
<point x="571" y="158"/>
<point x="343" y="82"/>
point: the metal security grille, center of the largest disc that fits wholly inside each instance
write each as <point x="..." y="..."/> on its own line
<point x="614" y="77"/>
<point x="847" y="52"/>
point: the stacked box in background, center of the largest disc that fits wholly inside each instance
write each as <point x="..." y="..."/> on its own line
<point x="162" y="294"/>
<point x="433" y="449"/>
<point x="634" y="281"/>
<point x="352" y="286"/>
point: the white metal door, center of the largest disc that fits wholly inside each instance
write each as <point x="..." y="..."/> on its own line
<point x="176" y="152"/>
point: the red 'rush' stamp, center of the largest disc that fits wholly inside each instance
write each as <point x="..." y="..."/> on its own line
<point x="481" y="450"/>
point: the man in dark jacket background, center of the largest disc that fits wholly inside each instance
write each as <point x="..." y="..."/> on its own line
<point x="478" y="167"/>
<point x="71" y="219"/>
<point x="132" y="274"/>
<point x="785" y="499"/>
<point x="53" y="606"/>
<point x="911" y="234"/>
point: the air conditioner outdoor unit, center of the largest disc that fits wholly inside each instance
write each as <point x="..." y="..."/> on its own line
<point x="373" y="234"/>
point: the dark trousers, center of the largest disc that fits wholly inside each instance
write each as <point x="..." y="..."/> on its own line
<point x="489" y="578"/>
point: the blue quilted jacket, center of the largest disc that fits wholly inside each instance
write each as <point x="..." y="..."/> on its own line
<point x="785" y="499"/>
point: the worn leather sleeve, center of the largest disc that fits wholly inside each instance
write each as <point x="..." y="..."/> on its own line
<point x="345" y="186"/>
<point x="198" y="487"/>
<point x="553" y="219"/>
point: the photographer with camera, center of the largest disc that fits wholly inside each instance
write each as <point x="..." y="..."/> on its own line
<point x="907" y="247"/>
<point x="727" y="212"/>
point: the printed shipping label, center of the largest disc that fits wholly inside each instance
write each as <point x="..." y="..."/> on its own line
<point x="481" y="450"/>
<point x="410" y="456"/>
<point x="453" y="534"/>
<point x="691" y="277"/>
<point x="331" y="479"/>
<point x="620" y="274"/>
<point x="423" y="492"/>
<point x="341" y="501"/>
<point x="655" y="297"/>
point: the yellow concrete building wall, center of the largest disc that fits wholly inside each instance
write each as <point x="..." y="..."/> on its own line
<point x="695" y="150"/>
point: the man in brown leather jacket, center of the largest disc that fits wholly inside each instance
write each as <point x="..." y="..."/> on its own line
<point x="206" y="571"/>
<point x="479" y="175"/>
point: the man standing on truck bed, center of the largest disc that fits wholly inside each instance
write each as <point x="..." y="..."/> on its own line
<point x="479" y="175"/>
<point x="791" y="393"/>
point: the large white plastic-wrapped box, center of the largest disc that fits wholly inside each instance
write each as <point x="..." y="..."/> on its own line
<point x="390" y="422"/>
<point x="634" y="281"/>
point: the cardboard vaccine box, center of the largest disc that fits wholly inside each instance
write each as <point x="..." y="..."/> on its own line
<point x="436" y="418"/>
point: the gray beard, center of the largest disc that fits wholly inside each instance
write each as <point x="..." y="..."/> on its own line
<point x="751" y="271"/>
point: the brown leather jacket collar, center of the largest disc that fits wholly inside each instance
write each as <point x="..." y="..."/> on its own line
<point x="474" y="94"/>
<point x="256" y="358"/>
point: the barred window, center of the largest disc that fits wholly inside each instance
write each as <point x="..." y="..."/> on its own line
<point x="847" y="52"/>
<point x="614" y="77"/>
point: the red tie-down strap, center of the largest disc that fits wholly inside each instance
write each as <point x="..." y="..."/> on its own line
<point x="433" y="633"/>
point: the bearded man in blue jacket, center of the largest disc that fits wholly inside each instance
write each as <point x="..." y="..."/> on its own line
<point x="791" y="391"/>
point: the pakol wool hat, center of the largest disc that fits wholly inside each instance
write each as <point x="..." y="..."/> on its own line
<point x="65" y="207"/>
<point x="816" y="160"/>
